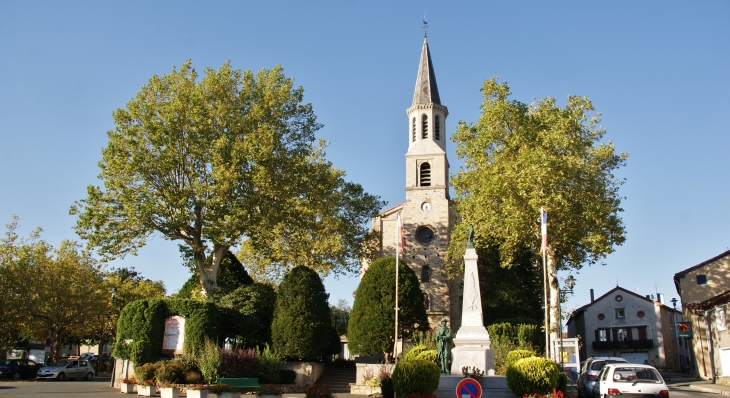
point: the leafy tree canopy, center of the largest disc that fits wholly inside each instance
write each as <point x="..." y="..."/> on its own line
<point x="214" y="162"/>
<point x="301" y="328"/>
<point x="250" y="313"/>
<point x="340" y="315"/>
<point x="372" y="320"/>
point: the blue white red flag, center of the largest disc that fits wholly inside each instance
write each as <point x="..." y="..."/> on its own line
<point x="543" y="230"/>
<point x="400" y="238"/>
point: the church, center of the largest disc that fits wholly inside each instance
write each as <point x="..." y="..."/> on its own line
<point x="426" y="213"/>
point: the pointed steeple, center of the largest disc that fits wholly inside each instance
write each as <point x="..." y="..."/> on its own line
<point x="427" y="91"/>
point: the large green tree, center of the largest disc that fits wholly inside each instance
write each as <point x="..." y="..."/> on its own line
<point x="519" y="158"/>
<point x="301" y="328"/>
<point x="372" y="320"/>
<point x="218" y="161"/>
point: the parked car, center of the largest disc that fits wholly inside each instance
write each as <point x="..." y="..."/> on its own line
<point x="630" y="379"/>
<point x="18" y="368"/>
<point x="589" y="373"/>
<point x="67" y="369"/>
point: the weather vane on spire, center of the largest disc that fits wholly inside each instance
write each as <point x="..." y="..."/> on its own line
<point x="425" y="25"/>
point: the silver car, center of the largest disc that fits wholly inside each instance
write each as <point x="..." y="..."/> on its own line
<point x="589" y="374"/>
<point x="67" y="369"/>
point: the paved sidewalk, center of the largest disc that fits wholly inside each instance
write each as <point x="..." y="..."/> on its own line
<point x="708" y="386"/>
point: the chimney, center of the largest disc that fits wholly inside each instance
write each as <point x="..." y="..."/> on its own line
<point x="648" y="296"/>
<point x="592" y="298"/>
<point x="660" y="297"/>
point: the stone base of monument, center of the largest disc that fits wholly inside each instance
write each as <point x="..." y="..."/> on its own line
<point x="492" y="386"/>
<point x="473" y="349"/>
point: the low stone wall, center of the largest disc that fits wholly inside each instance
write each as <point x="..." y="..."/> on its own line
<point x="372" y="369"/>
<point x="307" y="372"/>
<point x="364" y="390"/>
<point x="724" y="380"/>
<point x="122" y="368"/>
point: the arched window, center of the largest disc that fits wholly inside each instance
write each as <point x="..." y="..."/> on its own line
<point x="424" y="126"/>
<point x="413" y="138"/>
<point x="425" y="175"/>
<point x="437" y="129"/>
<point x="426" y="274"/>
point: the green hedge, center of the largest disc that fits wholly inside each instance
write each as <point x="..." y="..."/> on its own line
<point x="534" y="375"/>
<point x="515" y="355"/>
<point x="142" y="322"/>
<point x="416" y="375"/>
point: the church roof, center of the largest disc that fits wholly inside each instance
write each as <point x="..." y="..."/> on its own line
<point x="427" y="91"/>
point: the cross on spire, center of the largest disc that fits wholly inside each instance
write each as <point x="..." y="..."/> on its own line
<point x="425" y="25"/>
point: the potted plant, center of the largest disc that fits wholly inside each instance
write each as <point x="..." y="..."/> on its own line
<point x="268" y="391"/>
<point x="147" y="388"/>
<point x="197" y="391"/>
<point x="224" y="391"/>
<point x="127" y="385"/>
<point x="472" y="372"/>
<point x="168" y="390"/>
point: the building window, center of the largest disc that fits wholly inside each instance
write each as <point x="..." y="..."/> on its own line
<point x="424" y="126"/>
<point x="701" y="279"/>
<point x="437" y="128"/>
<point x="601" y="316"/>
<point x="425" y="175"/>
<point x="425" y="274"/>
<point x="602" y="335"/>
<point x="622" y="334"/>
<point x="720" y="318"/>
<point x="413" y="134"/>
<point x="620" y="313"/>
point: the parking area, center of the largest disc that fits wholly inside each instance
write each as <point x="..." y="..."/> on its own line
<point x="98" y="387"/>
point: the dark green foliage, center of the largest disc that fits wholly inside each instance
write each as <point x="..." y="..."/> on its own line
<point x="340" y="315"/>
<point x="193" y="377"/>
<point x="301" y="328"/>
<point x="370" y="330"/>
<point x="516" y="355"/>
<point x="386" y="387"/>
<point x="534" y="375"/>
<point x="413" y="352"/>
<point x="146" y="371"/>
<point x="416" y="376"/>
<point x="143" y="322"/>
<point x="287" y="376"/>
<point x="170" y="372"/>
<point x="507" y="337"/>
<point x="562" y="381"/>
<point x="269" y="364"/>
<point x="239" y="363"/>
<point x="231" y="276"/>
<point x="247" y="314"/>
<point x="509" y="292"/>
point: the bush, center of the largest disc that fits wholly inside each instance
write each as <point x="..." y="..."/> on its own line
<point x="562" y="381"/>
<point x="146" y="371"/>
<point x="269" y="366"/>
<point x="287" y="376"/>
<point x="429" y="355"/>
<point x="416" y="376"/>
<point x="319" y="392"/>
<point x="239" y="363"/>
<point x="533" y="375"/>
<point x="374" y="382"/>
<point x="413" y="352"/>
<point x="515" y="355"/>
<point x="193" y="377"/>
<point x="425" y="338"/>
<point x="209" y="361"/>
<point x="301" y="328"/>
<point x="386" y="387"/>
<point x="169" y="372"/>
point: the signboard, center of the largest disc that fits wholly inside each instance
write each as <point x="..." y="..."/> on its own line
<point x="468" y="388"/>
<point x="684" y="329"/>
<point x="49" y="342"/>
<point x="174" y="338"/>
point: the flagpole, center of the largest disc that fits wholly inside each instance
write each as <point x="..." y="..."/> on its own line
<point x="397" y="256"/>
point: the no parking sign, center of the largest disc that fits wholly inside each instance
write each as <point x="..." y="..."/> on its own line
<point x="468" y="388"/>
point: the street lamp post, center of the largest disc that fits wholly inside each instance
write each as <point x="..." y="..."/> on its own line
<point x="120" y="304"/>
<point x="569" y="283"/>
<point x="674" y="328"/>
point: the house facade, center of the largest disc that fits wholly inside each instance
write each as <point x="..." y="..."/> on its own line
<point x="705" y="293"/>
<point x="621" y="323"/>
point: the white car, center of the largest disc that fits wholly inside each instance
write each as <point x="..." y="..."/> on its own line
<point x="67" y="369"/>
<point x="630" y="379"/>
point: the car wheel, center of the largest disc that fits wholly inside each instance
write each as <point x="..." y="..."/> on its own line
<point x="89" y="376"/>
<point x="61" y="376"/>
<point x="16" y="376"/>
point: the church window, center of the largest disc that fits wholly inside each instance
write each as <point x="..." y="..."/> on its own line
<point x="425" y="274"/>
<point x="425" y="176"/>
<point x="437" y="128"/>
<point x="424" y="127"/>
<point x="413" y="138"/>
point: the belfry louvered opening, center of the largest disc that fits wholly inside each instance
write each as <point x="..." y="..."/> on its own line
<point x="437" y="128"/>
<point x="413" y="138"/>
<point x="424" y="126"/>
<point x="425" y="175"/>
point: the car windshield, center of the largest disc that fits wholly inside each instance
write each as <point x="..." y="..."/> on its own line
<point x="5" y="362"/>
<point x="62" y="362"/>
<point x="598" y="365"/>
<point x="631" y="374"/>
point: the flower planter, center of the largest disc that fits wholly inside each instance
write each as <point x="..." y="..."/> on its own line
<point x="269" y="395"/>
<point x="126" y="388"/>
<point x="169" y="392"/>
<point x="197" y="393"/>
<point x="146" y="391"/>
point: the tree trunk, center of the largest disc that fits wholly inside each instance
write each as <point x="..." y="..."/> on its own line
<point x="208" y="269"/>
<point x="555" y="322"/>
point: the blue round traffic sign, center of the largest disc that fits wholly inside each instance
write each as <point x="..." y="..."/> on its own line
<point x="468" y="388"/>
<point x="49" y="342"/>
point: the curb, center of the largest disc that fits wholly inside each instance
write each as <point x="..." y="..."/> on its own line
<point x="709" y="389"/>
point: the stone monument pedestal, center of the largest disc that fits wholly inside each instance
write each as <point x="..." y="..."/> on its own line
<point x="473" y="345"/>
<point x="492" y="386"/>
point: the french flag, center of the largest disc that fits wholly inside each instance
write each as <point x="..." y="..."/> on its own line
<point x="400" y="238"/>
<point x="543" y="230"/>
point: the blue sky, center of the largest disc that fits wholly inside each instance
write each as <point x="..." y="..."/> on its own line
<point x="657" y="71"/>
